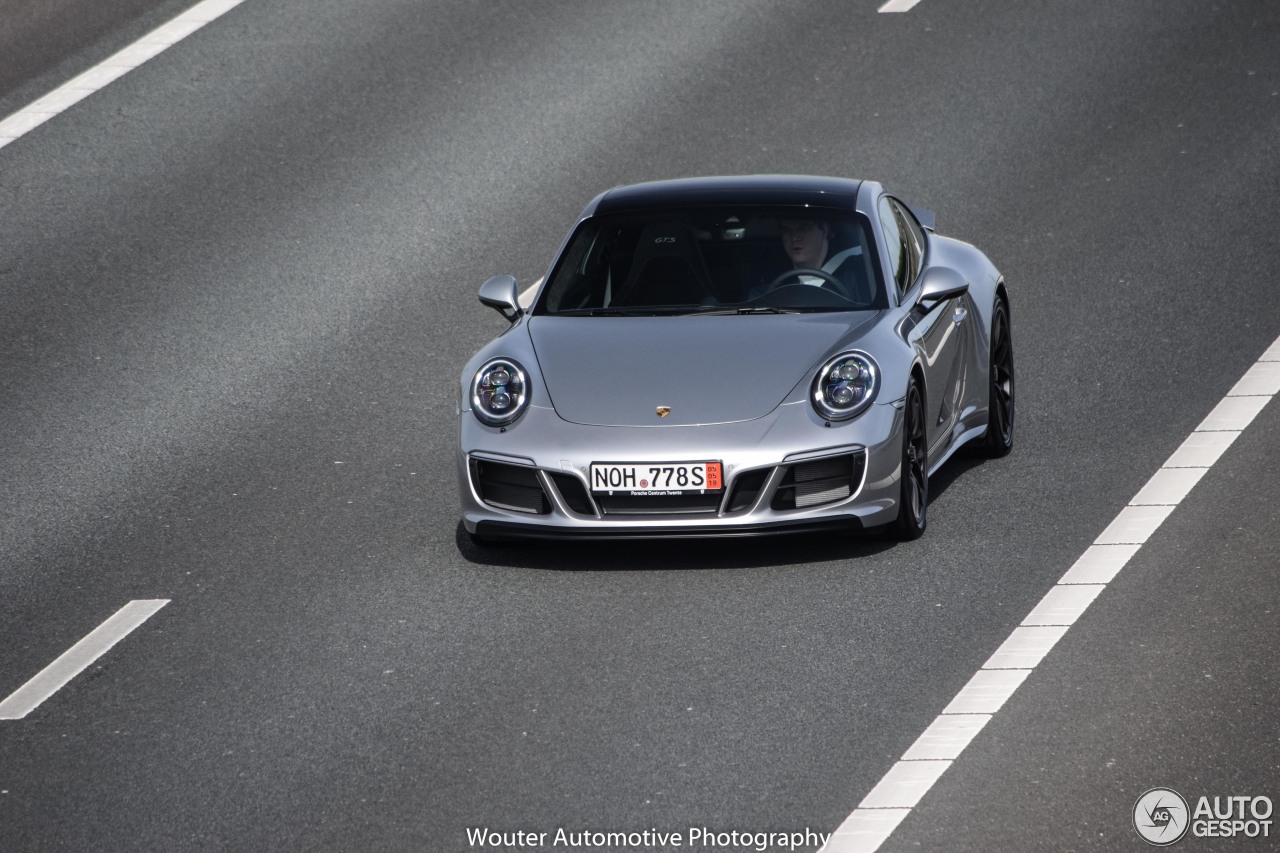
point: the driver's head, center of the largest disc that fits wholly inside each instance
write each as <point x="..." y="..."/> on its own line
<point x="805" y="241"/>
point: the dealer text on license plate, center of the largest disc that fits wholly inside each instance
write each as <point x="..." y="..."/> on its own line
<point x="657" y="477"/>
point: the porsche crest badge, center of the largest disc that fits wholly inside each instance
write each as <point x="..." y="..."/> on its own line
<point x="663" y="411"/>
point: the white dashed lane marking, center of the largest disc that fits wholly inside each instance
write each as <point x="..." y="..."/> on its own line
<point x="78" y="658"/>
<point x="112" y="68"/>
<point x="898" y="6"/>
<point x="907" y="782"/>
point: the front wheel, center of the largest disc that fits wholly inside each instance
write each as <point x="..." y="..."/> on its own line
<point x="1000" y="410"/>
<point x="913" y="492"/>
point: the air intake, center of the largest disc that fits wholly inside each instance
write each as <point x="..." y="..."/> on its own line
<point x="746" y="487"/>
<point x="574" y="494"/>
<point x="822" y="481"/>
<point x="512" y="487"/>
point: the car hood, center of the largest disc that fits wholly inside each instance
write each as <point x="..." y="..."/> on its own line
<point x="617" y="371"/>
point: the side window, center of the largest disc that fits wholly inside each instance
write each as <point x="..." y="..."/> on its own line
<point x="899" y="253"/>
<point x="915" y="237"/>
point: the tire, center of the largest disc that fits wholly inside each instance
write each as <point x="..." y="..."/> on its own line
<point x="998" y="440"/>
<point x="913" y="486"/>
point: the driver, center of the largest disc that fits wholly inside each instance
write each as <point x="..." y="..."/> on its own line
<point x="807" y="242"/>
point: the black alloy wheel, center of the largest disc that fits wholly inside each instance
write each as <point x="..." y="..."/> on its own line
<point x="999" y="438"/>
<point x="913" y="495"/>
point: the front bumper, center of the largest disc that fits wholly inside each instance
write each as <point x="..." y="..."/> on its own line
<point x="514" y="530"/>
<point x="787" y="473"/>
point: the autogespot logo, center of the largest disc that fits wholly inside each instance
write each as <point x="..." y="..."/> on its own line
<point x="1161" y="816"/>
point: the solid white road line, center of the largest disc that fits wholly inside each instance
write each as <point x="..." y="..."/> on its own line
<point x="1168" y="486"/>
<point x="946" y="737"/>
<point x="79" y="657"/>
<point x="1099" y="564"/>
<point x="113" y="67"/>
<point x="1262" y="380"/>
<point x="901" y="788"/>
<point x="1201" y="449"/>
<point x="898" y="6"/>
<point x="1134" y="525"/>
<point x="1063" y="605"/>
<point x="1233" y="414"/>
<point x="1025" y="647"/>
<point x="987" y="691"/>
<point x="908" y="780"/>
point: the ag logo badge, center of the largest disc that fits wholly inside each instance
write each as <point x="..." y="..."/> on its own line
<point x="1161" y="816"/>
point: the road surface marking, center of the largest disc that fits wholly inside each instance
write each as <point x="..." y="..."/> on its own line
<point x="1233" y="414"/>
<point x="78" y="658"/>
<point x="914" y="774"/>
<point x="898" y="6"/>
<point x="946" y="737"/>
<point x="1026" y="647"/>
<point x="112" y="68"/>
<point x="902" y="787"/>
<point x="1262" y="380"/>
<point x="1099" y="564"/>
<point x="1168" y="486"/>
<point x="1134" y="525"/>
<point x="1201" y="449"/>
<point x="1063" y="604"/>
<point x="987" y="691"/>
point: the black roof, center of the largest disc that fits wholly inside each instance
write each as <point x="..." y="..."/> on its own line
<point x="801" y="190"/>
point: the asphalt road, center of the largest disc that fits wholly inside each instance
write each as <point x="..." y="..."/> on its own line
<point x="239" y="282"/>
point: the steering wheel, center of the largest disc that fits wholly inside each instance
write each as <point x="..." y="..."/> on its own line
<point x="799" y="271"/>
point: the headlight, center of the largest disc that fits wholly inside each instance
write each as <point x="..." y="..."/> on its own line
<point x="499" y="392"/>
<point x="845" y="386"/>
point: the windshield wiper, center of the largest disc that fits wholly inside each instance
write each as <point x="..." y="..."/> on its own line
<point x="606" y="312"/>
<point x="754" y="309"/>
<point x="691" y="311"/>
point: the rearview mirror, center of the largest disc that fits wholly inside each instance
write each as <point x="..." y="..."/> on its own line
<point x="500" y="294"/>
<point x="939" y="284"/>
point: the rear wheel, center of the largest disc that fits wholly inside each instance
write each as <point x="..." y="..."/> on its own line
<point x="999" y="438"/>
<point x="913" y="494"/>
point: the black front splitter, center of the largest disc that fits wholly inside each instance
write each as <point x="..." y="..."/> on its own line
<point x="499" y="530"/>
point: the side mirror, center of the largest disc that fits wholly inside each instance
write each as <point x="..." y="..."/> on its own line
<point x="939" y="284"/>
<point x="500" y="294"/>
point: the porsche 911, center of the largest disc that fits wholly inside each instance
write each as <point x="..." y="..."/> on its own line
<point x="735" y="356"/>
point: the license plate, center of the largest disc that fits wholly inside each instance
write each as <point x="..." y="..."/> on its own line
<point x="657" y="478"/>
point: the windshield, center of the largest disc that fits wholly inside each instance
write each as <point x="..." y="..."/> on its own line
<point x="739" y="260"/>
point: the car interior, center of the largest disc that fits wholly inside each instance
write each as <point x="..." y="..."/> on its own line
<point x="705" y="260"/>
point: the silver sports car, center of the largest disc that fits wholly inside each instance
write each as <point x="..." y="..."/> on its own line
<point x="735" y="356"/>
